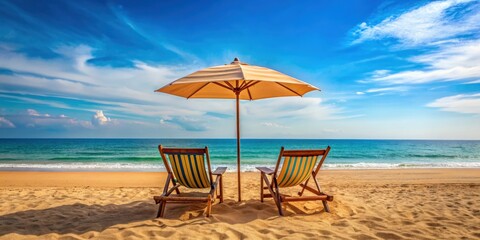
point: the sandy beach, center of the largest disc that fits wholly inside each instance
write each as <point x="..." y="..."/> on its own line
<point x="368" y="204"/>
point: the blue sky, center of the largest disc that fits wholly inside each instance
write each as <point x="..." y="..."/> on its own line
<point x="387" y="69"/>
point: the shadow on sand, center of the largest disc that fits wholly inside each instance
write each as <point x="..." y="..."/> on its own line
<point x="80" y="218"/>
<point x="76" y="218"/>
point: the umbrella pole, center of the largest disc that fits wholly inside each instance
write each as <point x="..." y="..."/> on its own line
<point x="238" y="148"/>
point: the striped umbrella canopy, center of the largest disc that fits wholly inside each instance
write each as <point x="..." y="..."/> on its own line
<point x="239" y="81"/>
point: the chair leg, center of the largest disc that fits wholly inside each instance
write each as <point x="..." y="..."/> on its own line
<point x="275" y="193"/>
<point x="279" y="206"/>
<point x="209" y="207"/>
<point x="325" y="205"/>
<point x="161" y="209"/>
<point x="221" y="189"/>
<point x="278" y="197"/>
<point x="261" y="187"/>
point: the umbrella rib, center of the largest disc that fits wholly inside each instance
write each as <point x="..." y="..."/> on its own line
<point x="249" y="85"/>
<point x="221" y="85"/>
<point x="245" y="82"/>
<point x="288" y="88"/>
<point x="230" y="85"/>
<point x="198" y="90"/>
<point x="249" y="94"/>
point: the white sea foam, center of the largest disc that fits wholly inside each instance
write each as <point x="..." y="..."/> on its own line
<point x="82" y="166"/>
<point x="363" y="165"/>
<point x="150" y="167"/>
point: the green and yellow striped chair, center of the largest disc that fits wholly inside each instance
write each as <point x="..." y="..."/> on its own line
<point x="189" y="167"/>
<point x="298" y="167"/>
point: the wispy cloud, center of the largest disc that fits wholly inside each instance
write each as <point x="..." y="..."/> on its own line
<point x="462" y="103"/>
<point x="384" y="90"/>
<point x="452" y="62"/>
<point x="22" y="99"/>
<point x="71" y="77"/>
<point x="292" y="108"/>
<point x="34" y="119"/>
<point x="128" y="91"/>
<point x="443" y="42"/>
<point x="188" y="123"/>
<point x="434" y="21"/>
<point x="5" y="123"/>
<point x="273" y="125"/>
<point x="38" y="29"/>
<point x="157" y="41"/>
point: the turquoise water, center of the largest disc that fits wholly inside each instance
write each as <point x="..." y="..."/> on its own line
<point x="142" y="154"/>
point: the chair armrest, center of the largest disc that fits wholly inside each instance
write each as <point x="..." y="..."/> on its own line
<point x="265" y="170"/>
<point x="219" y="171"/>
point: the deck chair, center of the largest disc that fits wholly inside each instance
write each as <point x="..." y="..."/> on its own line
<point x="298" y="168"/>
<point x="187" y="167"/>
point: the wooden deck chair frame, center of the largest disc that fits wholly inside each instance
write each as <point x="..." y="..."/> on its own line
<point x="273" y="185"/>
<point x="216" y="187"/>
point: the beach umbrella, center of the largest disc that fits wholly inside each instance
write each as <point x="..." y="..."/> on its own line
<point x="239" y="81"/>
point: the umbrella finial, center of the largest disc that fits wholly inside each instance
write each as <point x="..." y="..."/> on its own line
<point x="235" y="61"/>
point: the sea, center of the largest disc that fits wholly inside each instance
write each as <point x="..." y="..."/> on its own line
<point x="142" y="154"/>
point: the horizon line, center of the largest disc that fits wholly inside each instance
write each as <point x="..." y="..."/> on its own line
<point x="133" y="138"/>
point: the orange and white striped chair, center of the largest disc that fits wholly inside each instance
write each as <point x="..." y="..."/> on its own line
<point x="189" y="167"/>
<point x="298" y="167"/>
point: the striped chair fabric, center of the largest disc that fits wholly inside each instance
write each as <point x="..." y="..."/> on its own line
<point x="189" y="170"/>
<point x="295" y="170"/>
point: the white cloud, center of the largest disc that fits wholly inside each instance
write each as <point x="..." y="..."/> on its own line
<point x="188" y="123"/>
<point x="292" y="108"/>
<point x="100" y="119"/>
<point x="125" y="90"/>
<point x="450" y="31"/>
<point x="462" y="103"/>
<point x="430" y="22"/>
<point x="384" y="90"/>
<point x="450" y="28"/>
<point x="33" y="119"/>
<point x="272" y="124"/>
<point x="473" y="82"/>
<point x="5" y="123"/>
<point x="452" y="62"/>
<point x="33" y="112"/>
<point x="128" y="93"/>
<point x="387" y="89"/>
<point x="37" y="101"/>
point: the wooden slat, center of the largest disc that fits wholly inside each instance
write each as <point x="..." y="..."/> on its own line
<point x="294" y="153"/>
<point x="184" y="150"/>
<point x="313" y="190"/>
<point x="219" y="171"/>
<point x="265" y="170"/>
<point x="267" y="195"/>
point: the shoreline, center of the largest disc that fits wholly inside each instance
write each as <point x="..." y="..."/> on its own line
<point x="156" y="179"/>
<point x="232" y="168"/>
